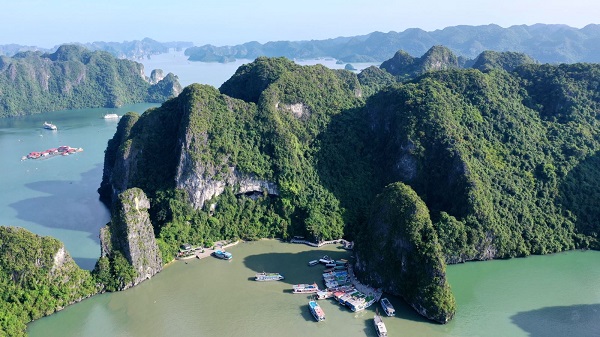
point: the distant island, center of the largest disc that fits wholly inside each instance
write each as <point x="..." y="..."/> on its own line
<point x="133" y="50"/>
<point x="543" y="42"/>
<point x="74" y="77"/>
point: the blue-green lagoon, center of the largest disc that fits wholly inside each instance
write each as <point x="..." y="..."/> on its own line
<point x="57" y="196"/>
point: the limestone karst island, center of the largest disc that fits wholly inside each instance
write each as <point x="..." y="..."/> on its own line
<point x="340" y="196"/>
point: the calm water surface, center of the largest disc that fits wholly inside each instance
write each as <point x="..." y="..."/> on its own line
<point x="214" y="73"/>
<point x="556" y="295"/>
<point x="57" y="196"/>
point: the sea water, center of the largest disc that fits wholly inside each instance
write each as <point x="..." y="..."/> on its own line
<point x="57" y="196"/>
<point x="214" y="73"/>
<point x="553" y="295"/>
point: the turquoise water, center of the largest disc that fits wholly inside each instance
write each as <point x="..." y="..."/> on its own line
<point x="57" y="196"/>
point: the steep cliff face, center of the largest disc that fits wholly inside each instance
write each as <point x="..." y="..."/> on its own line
<point x="398" y="251"/>
<point x="203" y="182"/>
<point x="131" y="233"/>
<point x="178" y="146"/>
<point x="74" y="77"/>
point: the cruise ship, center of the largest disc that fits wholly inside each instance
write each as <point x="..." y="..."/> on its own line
<point x="268" y="277"/>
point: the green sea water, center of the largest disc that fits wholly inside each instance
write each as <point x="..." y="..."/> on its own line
<point x="554" y="295"/>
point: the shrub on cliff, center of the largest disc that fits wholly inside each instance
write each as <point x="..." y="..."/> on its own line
<point x="398" y="251"/>
<point x="37" y="278"/>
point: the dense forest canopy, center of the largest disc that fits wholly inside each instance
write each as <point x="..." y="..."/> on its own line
<point x="494" y="153"/>
<point x="37" y="277"/>
<point x="74" y="77"/>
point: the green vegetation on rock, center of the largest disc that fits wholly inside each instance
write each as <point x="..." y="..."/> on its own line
<point x="405" y="67"/>
<point x="37" y="278"/>
<point x="398" y="251"/>
<point x="74" y="77"/>
<point x="493" y="158"/>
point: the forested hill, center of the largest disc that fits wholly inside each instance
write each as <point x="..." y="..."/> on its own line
<point x="74" y="77"/>
<point x="405" y="67"/>
<point x="37" y="278"/>
<point x="545" y="43"/>
<point x="478" y="165"/>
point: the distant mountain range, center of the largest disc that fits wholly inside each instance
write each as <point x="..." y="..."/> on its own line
<point x="136" y="49"/>
<point x="545" y="43"/>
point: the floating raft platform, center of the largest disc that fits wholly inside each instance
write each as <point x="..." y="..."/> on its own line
<point x="59" y="151"/>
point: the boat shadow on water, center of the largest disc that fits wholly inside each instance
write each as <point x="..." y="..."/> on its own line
<point x="293" y="266"/>
<point x="575" y="320"/>
<point x="305" y="313"/>
<point x="65" y="206"/>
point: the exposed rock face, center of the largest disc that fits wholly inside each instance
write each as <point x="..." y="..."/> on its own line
<point x="156" y="76"/>
<point x="131" y="232"/>
<point x="116" y="161"/>
<point x="202" y="181"/>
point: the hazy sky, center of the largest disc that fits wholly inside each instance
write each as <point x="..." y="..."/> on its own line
<point x="46" y="23"/>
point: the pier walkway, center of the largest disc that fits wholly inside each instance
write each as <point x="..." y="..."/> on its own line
<point x="322" y="243"/>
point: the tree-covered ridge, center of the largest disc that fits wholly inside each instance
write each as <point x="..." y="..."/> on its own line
<point x="135" y="49"/>
<point x="399" y="229"/>
<point x="219" y="138"/>
<point x="508" y="61"/>
<point x="37" y="277"/>
<point x="73" y="77"/>
<point x="545" y="43"/>
<point x="494" y="156"/>
<point x="489" y="167"/>
<point x="405" y="67"/>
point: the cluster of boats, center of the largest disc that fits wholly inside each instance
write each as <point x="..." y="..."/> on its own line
<point x="59" y="151"/>
<point x="339" y="286"/>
